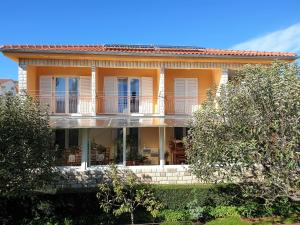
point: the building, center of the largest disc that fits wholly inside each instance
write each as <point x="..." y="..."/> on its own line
<point x="8" y="86"/>
<point x="125" y="104"/>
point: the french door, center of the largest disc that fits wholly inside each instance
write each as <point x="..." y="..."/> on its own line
<point x="128" y="95"/>
<point x="66" y="94"/>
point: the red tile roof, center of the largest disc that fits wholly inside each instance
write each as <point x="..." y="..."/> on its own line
<point x="2" y="81"/>
<point x="151" y="50"/>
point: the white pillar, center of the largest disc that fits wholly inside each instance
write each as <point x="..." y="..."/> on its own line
<point x="161" y="92"/>
<point x="93" y="90"/>
<point x="84" y="140"/>
<point x="223" y="80"/>
<point x="124" y="146"/>
<point x="22" y="78"/>
<point x="162" y="138"/>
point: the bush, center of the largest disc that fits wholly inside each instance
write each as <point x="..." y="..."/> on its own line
<point x="174" y="215"/>
<point x="206" y="195"/>
<point x="228" y="221"/>
<point x="198" y="212"/>
<point x="224" y="211"/>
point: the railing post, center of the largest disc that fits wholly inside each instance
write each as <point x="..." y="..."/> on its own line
<point x="162" y="139"/>
<point x="161" y="92"/>
<point x="124" y="146"/>
<point x="93" y="90"/>
<point x="84" y="148"/>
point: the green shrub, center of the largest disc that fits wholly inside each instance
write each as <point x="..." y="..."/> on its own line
<point x="174" y="215"/>
<point x="224" y="211"/>
<point x="206" y="195"/>
<point x="228" y="221"/>
<point x="198" y="212"/>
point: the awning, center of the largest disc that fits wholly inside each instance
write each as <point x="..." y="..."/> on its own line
<point x="70" y="122"/>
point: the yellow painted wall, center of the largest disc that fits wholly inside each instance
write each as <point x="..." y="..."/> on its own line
<point x="32" y="81"/>
<point x="123" y="72"/>
<point x="207" y="79"/>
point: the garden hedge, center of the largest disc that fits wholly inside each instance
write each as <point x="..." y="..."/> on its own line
<point x="178" y="196"/>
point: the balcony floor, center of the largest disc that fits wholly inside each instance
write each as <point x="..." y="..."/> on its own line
<point x="117" y="121"/>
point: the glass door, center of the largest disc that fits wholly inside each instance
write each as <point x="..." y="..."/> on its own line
<point x="66" y="95"/>
<point x="134" y="95"/>
<point x="73" y="95"/>
<point x="122" y="95"/>
<point x="60" y="95"/>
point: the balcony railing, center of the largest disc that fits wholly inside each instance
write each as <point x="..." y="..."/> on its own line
<point x="184" y="105"/>
<point x="68" y="103"/>
<point x="114" y="104"/>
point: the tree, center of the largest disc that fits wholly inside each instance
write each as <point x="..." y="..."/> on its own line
<point x="25" y="159"/>
<point x="123" y="192"/>
<point x="250" y="134"/>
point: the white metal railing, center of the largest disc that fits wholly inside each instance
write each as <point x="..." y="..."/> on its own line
<point x="114" y="104"/>
<point x="75" y="103"/>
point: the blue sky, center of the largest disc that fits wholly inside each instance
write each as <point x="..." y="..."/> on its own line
<point x="253" y="24"/>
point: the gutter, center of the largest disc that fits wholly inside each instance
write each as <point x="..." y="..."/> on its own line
<point x="143" y="54"/>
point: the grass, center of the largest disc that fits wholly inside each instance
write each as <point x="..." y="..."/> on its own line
<point x="228" y="221"/>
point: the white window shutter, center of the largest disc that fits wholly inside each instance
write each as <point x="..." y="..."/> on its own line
<point x="85" y="93"/>
<point x="146" y="98"/>
<point x="191" y="88"/>
<point x="179" y="90"/>
<point x="186" y="95"/>
<point x="110" y="95"/>
<point x="46" y="92"/>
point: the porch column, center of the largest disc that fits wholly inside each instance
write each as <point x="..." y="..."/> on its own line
<point x="223" y="80"/>
<point x="22" y="77"/>
<point x="93" y="90"/>
<point x="161" y="92"/>
<point x="162" y="139"/>
<point x="124" y="146"/>
<point x="84" y="140"/>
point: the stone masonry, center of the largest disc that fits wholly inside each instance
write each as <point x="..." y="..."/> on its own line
<point x="177" y="174"/>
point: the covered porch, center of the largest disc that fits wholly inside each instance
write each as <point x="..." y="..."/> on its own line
<point x="127" y="141"/>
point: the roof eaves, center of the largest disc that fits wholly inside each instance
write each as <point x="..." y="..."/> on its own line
<point x="17" y="50"/>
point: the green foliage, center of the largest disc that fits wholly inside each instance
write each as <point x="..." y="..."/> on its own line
<point x="174" y="215"/>
<point x="224" y="211"/>
<point x="25" y="157"/>
<point x="179" y="196"/>
<point x="123" y="192"/>
<point x="251" y="133"/>
<point x="228" y="221"/>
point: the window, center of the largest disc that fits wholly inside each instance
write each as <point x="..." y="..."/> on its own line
<point x="128" y="89"/>
<point x="60" y="138"/>
<point x="180" y="132"/>
<point x="66" y="95"/>
<point x="66" y="138"/>
<point x="73" y="137"/>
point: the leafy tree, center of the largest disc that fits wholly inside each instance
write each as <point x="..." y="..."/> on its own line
<point x="250" y="134"/>
<point x="123" y="192"/>
<point x="25" y="135"/>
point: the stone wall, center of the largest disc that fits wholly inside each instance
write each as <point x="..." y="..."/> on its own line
<point x="73" y="177"/>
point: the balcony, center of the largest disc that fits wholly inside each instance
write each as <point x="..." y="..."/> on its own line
<point x="66" y="103"/>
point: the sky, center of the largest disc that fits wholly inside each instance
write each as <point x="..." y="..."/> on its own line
<point x="267" y="25"/>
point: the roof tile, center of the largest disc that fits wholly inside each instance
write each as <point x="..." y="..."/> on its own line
<point x="146" y="49"/>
